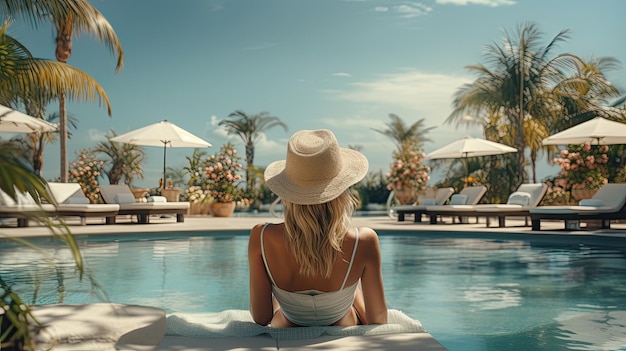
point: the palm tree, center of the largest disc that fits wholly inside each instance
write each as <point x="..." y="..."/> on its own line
<point x="22" y="78"/>
<point x="35" y="106"/>
<point x="585" y="94"/>
<point x="249" y="128"/>
<point x="70" y="17"/>
<point x="38" y="140"/>
<point x="124" y="160"/>
<point x="399" y="132"/>
<point x="521" y="85"/>
<point x="22" y="75"/>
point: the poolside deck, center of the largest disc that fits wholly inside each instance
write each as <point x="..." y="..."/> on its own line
<point x="415" y="341"/>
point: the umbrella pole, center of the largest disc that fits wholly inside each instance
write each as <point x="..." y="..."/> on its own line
<point x="164" y="159"/>
<point x="466" y="166"/>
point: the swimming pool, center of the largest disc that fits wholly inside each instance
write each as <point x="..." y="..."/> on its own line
<point x="470" y="293"/>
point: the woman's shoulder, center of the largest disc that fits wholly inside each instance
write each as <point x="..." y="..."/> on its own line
<point x="368" y="241"/>
<point x="367" y="234"/>
<point x="266" y="228"/>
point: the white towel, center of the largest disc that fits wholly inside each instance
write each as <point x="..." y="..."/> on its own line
<point x="157" y="199"/>
<point x="239" y="323"/>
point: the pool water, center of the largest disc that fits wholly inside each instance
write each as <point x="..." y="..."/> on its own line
<point x="469" y="293"/>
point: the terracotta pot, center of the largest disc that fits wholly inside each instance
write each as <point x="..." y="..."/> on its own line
<point x="580" y="194"/>
<point x="222" y="209"/>
<point x="406" y="196"/>
<point x="199" y="208"/>
<point x="140" y="194"/>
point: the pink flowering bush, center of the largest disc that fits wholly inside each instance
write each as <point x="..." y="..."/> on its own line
<point x="407" y="170"/>
<point x="222" y="175"/>
<point x="583" y="167"/>
<point x="85" y="171"/>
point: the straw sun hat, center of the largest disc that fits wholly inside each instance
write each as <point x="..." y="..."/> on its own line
<point x="316" y="170"/>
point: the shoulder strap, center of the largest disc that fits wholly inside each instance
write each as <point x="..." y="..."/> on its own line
<point x="356" y="243"/>
<point x="267" y="268"/>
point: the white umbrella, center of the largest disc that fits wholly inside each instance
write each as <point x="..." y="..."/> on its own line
<point x="597" y="131"/>
<point x="13" y="121"/>
<point x="470" y="147"/>
<point x="163" y="134"/>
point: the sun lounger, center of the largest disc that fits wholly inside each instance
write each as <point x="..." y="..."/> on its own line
<point x="609" y="203"/>
<point x="24" y="208"/>
<point x="123" y="196"/>
<point x="461" y="204"/>
<point x="519" y="203"/>
<point x="69" y="201"/>
<point x="439" y="197"/>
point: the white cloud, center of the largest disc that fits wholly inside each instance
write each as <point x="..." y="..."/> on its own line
<point x="407" y="10"/>
<point x="215" y="129"/>
<point x="409" y="89"/>
<point x="341" y="74"/>
<point x="96" y="135"/>
<point x="412" y="10"/>
<point x="492" y="3"/>
<point x="410" y="94"/>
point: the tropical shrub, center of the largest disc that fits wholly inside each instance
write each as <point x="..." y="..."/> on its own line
<point x="583" y="167"/>
<point x="407" y="170"/>
<point x="85" y="171"/>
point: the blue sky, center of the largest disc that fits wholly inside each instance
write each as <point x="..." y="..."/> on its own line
<point x="343" y="65"/>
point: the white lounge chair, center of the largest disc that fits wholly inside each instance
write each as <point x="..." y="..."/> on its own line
<point x="461" y="204"/>
<point x="438" y="197"/>
<point x="609" y="203"/>
<point x="123" y="196"/>
<point x="519" y="203"/>
<point x="23" y="208"/>
<point x="69" y="200"/>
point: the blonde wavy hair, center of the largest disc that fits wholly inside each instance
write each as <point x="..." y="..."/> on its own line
<point x="315" y="233"/>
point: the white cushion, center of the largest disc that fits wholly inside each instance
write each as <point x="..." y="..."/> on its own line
<point x="519" y="198"/>
<point x="24" y="198"/>
<point x="591" y="202"/>
<point x="157" y="199"/>
<point x="458" y="199"/>
<point x="428" y="202"/>
<point x="77" y="200"/>
<point x="6" y="200"/>
<point x="123" y="198"/>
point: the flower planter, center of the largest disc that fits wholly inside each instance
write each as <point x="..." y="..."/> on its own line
<point x="140" y="194"/>
<point x="222" y="209"/>
<point x="198" y="208"/>
<point x="580" y="194"/>
<point x="406" y="196"/>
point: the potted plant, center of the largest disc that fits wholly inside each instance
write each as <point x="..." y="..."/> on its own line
<point x="584" y="169"/>
<point x="408" y="176"/>
<point x="199" y="200"/>
<point x="86" y="172"/>
<point x="196" y="192"/>
<point x="222" y="171"/>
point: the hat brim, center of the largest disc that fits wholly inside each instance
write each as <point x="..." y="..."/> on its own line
<point x="354" y="168"/>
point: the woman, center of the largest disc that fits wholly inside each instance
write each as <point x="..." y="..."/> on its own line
<point x="314" y="269"/>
